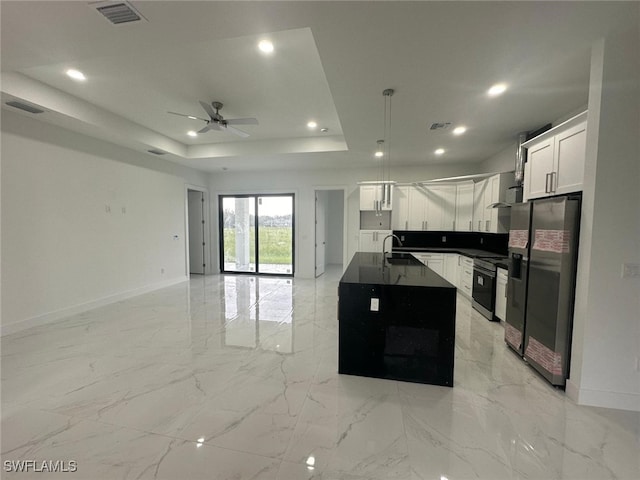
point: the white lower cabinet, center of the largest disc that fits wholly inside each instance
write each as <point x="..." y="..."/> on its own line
<point x="451" y="268"/>
<point x="371" y="240"/>
<point x="465" y="275"/>
<point x="435" y="261"/>
<point x="501" y="294"/>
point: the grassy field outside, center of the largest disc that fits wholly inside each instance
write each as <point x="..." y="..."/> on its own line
<point x="275" y="245"/>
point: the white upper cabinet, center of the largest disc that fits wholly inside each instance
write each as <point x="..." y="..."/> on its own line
<point x="417" y="209"/>
<point x="441" y="208"/>
<point x="486" y="192"/>
<point x="400" y="214"/>
<point x="376" y="197"/>
<point x="479" y="189"/>
<point x="555" y="160"/>
<point x="464" y="207"/>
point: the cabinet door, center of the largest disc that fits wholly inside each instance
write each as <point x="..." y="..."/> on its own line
<point x="440" y="207"/>
<point x="539" y="168"/>
<point x="417" y="209"/>
<point x="400" y="213"/>
<point x="451" y="268"/>
<point x="436" y="264"/>
<point x="569" y="157"/>
<point x="368" y="197"/>
<point x="447" y="195"/>
<point x="464" y="207"/>
<point x="367" y="242"/>
<point x="479" y="189"/>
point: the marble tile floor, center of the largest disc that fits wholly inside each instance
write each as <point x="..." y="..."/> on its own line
<point x="234" y="377"/>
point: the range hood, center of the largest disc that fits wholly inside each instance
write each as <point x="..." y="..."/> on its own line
<point x="514" y="194"/>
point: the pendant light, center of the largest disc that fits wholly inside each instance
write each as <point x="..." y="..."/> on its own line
<point x="385" y="166"/>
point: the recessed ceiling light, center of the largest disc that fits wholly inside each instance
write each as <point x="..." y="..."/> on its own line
<point x="191" y="117"/>
<point x="324" y="130"/>
<point x="439" y="151"/>
<point x="191" y="133"/>
<point x="312" y="124"/>
<point x="379" y="153"/>
<point x="459" y="130"/>
<point x="76" y="74"/>
<point x="266" y="46"/>
<point x="497" y="89"/>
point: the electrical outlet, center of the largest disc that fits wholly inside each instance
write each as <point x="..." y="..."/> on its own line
<point x="444" y="239"/>
<point x="402" y="238"/>
<point x="375" y="304"/>
<point x="630" y="270"/>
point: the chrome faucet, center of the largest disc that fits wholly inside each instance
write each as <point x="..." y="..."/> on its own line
<point x="384" y="251"/>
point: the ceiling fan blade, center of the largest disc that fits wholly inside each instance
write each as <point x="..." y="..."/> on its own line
<point x="208" y="108"/>
<point x="242" y="121"/>
<point x="235" y="131"/>
<point x="192" y="117"/>
<point x="205" y="129"/>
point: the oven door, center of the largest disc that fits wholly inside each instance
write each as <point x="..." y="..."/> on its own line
<point x="484" y="291"/>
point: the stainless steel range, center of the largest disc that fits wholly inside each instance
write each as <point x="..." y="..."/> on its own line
<point x="483" y="292"/>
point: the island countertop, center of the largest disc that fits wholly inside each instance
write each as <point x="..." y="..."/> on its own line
<point x="396" y="320"/>
<point x="404" y="270"/>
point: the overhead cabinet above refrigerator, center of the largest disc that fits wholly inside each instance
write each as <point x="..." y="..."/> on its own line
<point x="555" y="160"/>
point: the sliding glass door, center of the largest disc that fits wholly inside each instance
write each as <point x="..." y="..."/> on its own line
<point x="257" y="234"/>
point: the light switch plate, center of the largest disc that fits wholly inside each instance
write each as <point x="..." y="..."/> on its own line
<point x="630" y="270"/>
<point x="375" y="304"/>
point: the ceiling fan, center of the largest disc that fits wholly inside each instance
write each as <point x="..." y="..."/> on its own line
<point x="218" y="122"/>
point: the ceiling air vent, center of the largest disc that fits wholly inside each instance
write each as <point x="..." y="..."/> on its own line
<point x="118" y="12"/>
<point x="156" y="152"/>
<point x="440" y="126"/>
<point x="25" y="107"/>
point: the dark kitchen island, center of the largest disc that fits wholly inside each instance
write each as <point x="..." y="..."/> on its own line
<point x="396" y="320"/>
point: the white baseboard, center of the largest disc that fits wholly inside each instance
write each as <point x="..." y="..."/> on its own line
<point x="599" y="398"/>
<point x="83" y="307"/>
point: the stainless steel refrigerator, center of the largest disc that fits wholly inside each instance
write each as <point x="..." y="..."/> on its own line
<point x="543" y="255"/>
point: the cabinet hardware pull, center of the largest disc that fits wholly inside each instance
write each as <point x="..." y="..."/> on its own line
<point x="546" y="183"/>
<point x="487" y="225"/>
<point x="470" y="227"/>
<point x="479" y="227"/>
<point x="554" y="182"/>
<point x="406" y="224"/>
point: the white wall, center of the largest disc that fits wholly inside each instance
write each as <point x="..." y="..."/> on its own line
<point x="606" y="343"/>
<point x="62" y="252"/>
<point x="303" y="184"/>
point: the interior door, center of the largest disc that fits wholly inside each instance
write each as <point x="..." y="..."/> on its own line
<point x="195" y="209"/>
<point x="321" y="240"/>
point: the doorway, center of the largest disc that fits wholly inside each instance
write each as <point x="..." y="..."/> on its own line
<point x="257" y="234"/>
<point x="197" y="231"/>
<point x="329" y="229"/>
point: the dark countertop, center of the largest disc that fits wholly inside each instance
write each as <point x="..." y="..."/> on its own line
<point x="368" y="268"/>
<point x="467" y="252"/>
